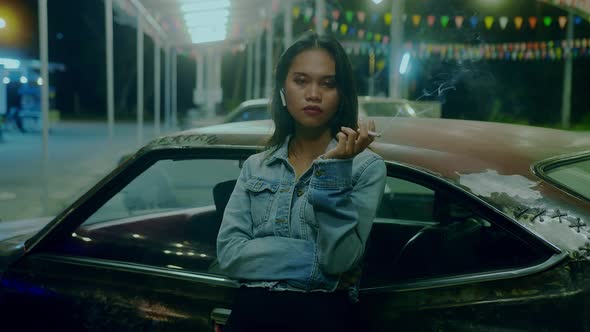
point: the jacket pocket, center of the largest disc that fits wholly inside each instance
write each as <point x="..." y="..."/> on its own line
<point x="262" y="194"/>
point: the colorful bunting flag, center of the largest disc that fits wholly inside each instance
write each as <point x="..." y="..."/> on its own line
<point x="547" y="21"/>
<point x="296" y="12"/>
<point x="387" y="18"/>
<point x="459" y="21"/>
<point x="473" y="20"/>
<point x="335" y="14"/>
<point x="431" y="19"/>
<point x="307" y="15"/>
<point x="503" y="22"/>
<point x="444" y="21"/>
<point x="343" y="28"/>
<point x="374" y="17"/>
<point x="360" y="15"/>
<point x="416" y="20"/>
<point x="489" y="21"/>
<point x="518" y="20"/>
<point x="349" y="15"/>
<point x="532" y="22"/>
<point x="334" y="26"/>
<point x="562" y="21"/>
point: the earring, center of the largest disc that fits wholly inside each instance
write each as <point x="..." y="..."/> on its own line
<point x="282" y="93"/>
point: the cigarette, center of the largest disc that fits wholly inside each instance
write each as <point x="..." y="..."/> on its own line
<point x="371" y="133"/>
<point x="374" y="134"/>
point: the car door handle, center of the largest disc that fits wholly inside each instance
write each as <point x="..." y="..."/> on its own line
<point x="219" y="317"/>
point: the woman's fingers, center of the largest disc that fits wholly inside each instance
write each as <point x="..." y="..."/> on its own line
<point x="342" y="138"/>
<point x="351" y="136"/>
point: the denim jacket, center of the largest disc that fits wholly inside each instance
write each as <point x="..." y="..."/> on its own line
<point x="299" y="234"/>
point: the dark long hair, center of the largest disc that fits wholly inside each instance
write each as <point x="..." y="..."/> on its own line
<point x="347" y="114"/>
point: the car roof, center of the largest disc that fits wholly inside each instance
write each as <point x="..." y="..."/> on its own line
<point x="443" y="146"/>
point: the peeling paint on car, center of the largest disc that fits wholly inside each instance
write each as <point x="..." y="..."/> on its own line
<point x="489" y="182"/>
<point x="180" y="140"/>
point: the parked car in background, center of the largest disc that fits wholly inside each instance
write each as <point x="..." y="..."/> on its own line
<point x="257" y="109"/>
<point x="482" y="227"/>
<point x="253" y="109"/>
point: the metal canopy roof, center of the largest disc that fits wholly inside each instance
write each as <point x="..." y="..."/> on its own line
<point x="166" y="20"/>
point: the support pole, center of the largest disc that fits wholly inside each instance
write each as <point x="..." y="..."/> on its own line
<point x="395" y="50"/>
<point x="139" y="81"/>
<point x="44" y="55"/>
<point x="566" y="98"/>
<point x="249" y="69"/>
<point x="320" y="15"/>
<point x="288" y="23"/>
<point x="174" y="93"/>
<point x="157" y="86"/>
<point x="257" y="66"/>
<point x="110" y="68"/>
<point x="167" y="87"/>
<point x="269" y="51"/>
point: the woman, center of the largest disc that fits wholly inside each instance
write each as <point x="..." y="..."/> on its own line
<point x="295" y="227"/>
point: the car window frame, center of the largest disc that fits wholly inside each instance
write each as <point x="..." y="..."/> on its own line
<point x="39" y="246"/>
<point x="491" y="213"/>
<point x="76" y="214"/>
<point x="542" y="167"/>
<point x="65" y="223"/>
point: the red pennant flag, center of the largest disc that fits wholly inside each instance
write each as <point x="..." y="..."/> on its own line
<point x="533" y="22"/>
<point x="361" y="16"/>
<point x="431" y="19"/>
<point x="335" y="14"/>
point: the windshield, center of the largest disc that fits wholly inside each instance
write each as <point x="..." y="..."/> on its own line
<point x="168" y="185"/>
<point x="574" y="176"/>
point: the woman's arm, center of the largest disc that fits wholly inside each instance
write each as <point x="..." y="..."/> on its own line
<point x="345" y="213"/>
<point x="242" y="256"/>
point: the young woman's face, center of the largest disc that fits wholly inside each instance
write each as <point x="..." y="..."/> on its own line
<point x="310" y="89"/>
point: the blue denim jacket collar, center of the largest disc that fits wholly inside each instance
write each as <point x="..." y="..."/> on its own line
<point x="282" y="153"/>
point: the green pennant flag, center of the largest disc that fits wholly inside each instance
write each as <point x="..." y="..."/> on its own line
<point x="444" y="21"/>
<point x="547" y="20"/>
<point x="349" y="15"/>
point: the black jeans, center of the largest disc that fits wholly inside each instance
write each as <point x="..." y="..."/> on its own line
<point x="258" y="309"/>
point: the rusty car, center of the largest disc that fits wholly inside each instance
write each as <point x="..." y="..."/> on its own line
<point x="483" y="226"/>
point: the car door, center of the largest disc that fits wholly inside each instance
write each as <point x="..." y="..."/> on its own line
<point x="137" y="254"/>
<point x="439" y="259"/>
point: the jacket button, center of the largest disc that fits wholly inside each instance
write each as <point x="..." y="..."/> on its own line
<point x="319" y="173"/>
<point x="300" y="192"/>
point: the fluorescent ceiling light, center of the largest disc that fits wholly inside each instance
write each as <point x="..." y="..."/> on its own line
<point x="24" y="80"/>
<point x="204" y="6"/>
<point x="10" y="63"/>
<point x="207" y="34"/>
<point x="206" y="38"/>
<point x="209" y="15"/>
<point x="206" y="22"/>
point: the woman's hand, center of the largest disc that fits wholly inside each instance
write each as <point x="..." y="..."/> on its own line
<point x="351" y="142"/>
